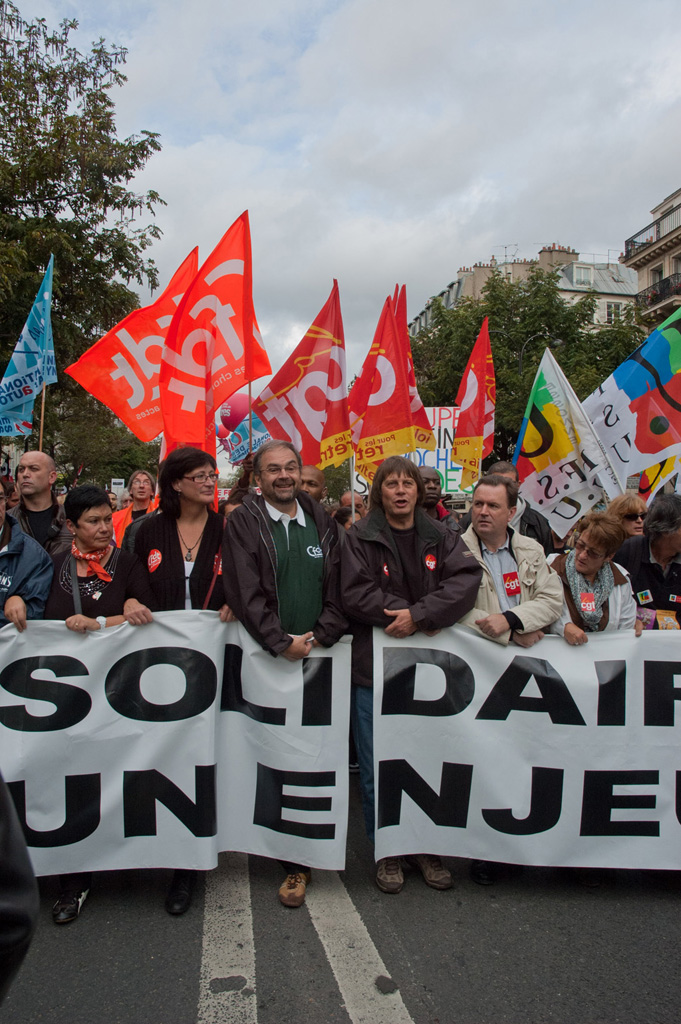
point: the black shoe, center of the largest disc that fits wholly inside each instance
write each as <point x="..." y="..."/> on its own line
<point x="67" y="907"/>
<point x="484" y="872"/>
<point x="179" y="898"/>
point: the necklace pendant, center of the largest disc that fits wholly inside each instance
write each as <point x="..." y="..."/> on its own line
<point x="188" y="556"/>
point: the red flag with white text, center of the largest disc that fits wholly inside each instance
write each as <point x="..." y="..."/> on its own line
<point x="213" y="346"/>
<point x="476" y="399"/>
<point x="306" y="401"/>
<point x="122" y="369"/>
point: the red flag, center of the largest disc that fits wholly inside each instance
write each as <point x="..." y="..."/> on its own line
<point x="476" y="398"/>
<point x="121" y="370"/>
<point x="418" y="410"/>
<point x="213" y="344"/>
<point x="380" y="402"/>
<point x="306" y="401"/>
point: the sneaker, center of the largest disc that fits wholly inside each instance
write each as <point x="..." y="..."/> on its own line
<point x="389" y="877"/>
<point x="67" y="907"/>
<point x="292" y="892"/>
<point x="435" y="874"/>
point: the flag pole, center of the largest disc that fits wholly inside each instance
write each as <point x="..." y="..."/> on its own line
<point x="250" y="419"/>
<point x="352" y="487"/>
<point x="42" y="419"/>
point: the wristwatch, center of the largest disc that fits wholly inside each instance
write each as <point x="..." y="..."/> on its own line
<point x="101" y="619"/>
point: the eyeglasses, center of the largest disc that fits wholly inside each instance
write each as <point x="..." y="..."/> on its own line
<point x="633" y="516"/>
<point x="581" y="546"/>
<point x="201" y="478"/>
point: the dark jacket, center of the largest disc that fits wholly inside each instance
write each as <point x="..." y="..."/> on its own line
<point x="249" y="556"/>
<point x="25" y="570"/>
<point x="634" y="556"/>
<point x="158" y="536"/>
<point x="59" y="537"/>
<point x="532" y="524"/>
<point x="18" y="893"/>
<point x="372" y="579"/>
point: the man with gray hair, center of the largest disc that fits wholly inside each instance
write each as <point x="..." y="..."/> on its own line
<point x="38" y="513"/>
<point x="653" y="562"/>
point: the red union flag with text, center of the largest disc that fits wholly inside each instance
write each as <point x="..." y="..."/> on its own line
<point x="306" y="401"/>
<point x="476" y="398"/>
<point x="381" y="404"/>
<point x="213" y="345"/>
<point x="122" y="369"/>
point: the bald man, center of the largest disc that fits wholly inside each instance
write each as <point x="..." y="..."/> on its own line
<point x="38" y="513"/>
<point x="360" y="507"/>
<point x="313" y="482"/>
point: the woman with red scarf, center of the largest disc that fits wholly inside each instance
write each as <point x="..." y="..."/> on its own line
<point x="90" y="586"/>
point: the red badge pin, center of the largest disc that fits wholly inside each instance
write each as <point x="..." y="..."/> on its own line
<point x="217" y="564"/>
<point x="431" y="562"/>
<point x="154" y="560"/>
<point x="511" y="584"/>
<point x="385" y="568"/>
<point x="587" y="602"/>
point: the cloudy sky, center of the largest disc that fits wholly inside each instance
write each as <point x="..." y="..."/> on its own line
<point x="379" y="141"/>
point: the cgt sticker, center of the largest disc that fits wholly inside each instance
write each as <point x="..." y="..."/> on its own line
<point x="431" y="562"/>
<point x="385" y="568"/>
<point x="154" y="559"/>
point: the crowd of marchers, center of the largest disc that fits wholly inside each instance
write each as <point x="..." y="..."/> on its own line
<point x="297" y="577"/>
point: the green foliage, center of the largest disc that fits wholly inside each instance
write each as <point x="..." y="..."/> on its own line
<point x="64" y="189"/>
<point x="524" y="317"/>
<point x="337" y="480"/>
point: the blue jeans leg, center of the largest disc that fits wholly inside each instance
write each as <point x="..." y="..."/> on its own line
<point x="362" y="712"/>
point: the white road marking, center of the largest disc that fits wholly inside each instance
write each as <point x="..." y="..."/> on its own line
<point x="353" y="957"/>
<point x="227" y="986"/>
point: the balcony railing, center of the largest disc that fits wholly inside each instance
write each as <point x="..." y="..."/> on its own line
<point x="658" y="229"/>
<point x="660" y="291"/>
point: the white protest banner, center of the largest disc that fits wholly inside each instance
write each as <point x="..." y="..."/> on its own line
<point x="160" y="746"/>
<point x="552" y="755"/>
<point x="443" y="420"/>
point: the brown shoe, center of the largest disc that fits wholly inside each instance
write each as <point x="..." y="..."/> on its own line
<point x="292" y="892"/>
<point x="389" y="877"/>
<point x="435" y="874"/>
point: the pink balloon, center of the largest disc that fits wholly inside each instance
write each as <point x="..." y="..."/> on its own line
<point x="223" y="431"/>
<point x="233" y="411"/>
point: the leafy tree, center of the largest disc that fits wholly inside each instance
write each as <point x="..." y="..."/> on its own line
<point x="524" y="317"/>
<point x="65" y="189"/>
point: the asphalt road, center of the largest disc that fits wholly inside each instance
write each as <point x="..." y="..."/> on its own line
<point x="536" y="947"/>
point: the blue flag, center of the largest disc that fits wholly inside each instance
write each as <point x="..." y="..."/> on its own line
<point x="32" y="364"/>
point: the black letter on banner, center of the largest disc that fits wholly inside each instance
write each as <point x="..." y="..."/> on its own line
<point x="142" y="789"/>
<point x="612" y="691"/>
<point x="317" y="678"/>
<point x="659" y="692"/>
<point x="555" y="699"/>
<point x="270" y="799"/>
<point x="678" y="797"/>
<point x="82" y="812"/>
<point x="73" y="704"/>
<point x="399" y="682"/>
<point x="233" y="696"/>
<point x="449" y="807"/>
<point x="545" y="806"/>
<point x="124" y="693"/>
<point x="599" y="800"/>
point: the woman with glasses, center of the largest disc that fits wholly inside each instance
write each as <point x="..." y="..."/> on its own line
<point x="630" y="511"/>
<point x="181" y="548"/>
<point x="653" y="561"/>
<point x="597" y="593"/>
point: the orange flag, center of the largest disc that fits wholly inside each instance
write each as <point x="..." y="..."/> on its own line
<point x="213" y="345"/>
<point x="121" y="370"/>
<point x="381" y="417"/>
<point x="306" y="401"/>
<point x="474" y="438"/>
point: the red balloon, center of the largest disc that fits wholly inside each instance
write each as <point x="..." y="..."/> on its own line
<point x="223" y="431"/>
<point x="234" y="410"/>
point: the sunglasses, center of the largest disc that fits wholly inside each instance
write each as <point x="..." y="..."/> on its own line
<point x="633" y="516"/>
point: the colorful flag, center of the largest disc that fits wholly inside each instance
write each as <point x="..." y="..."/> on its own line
<point x="32" y="364"/>
<point x="637" y="411"/>
<point x="476" y="399"/>
<point x="380" y="402"/>
<point x="655" y="477"/>
<point x="122" y="369"/>
<point x="213" y="345"/>
<point x="247" y="438"/>
<point x="306" y="402"/>
<point x="558" y="452"/>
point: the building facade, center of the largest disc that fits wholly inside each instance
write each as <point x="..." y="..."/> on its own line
<point x="654" y="253"/>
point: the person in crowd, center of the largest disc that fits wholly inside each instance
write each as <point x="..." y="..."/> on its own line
<point x="142" y="486"/>
<point x="12" y="495"/>
<point x="113" y="500"/>
<point x="519" y="596"/>
<point x="343" y="516"/>
<point x="403" y="572"/>
<point x="432" y="502"/>
<point x="346" y="501"/>
<point x="124" y="499"/>
<point x="18" y="893"/>
<point x="597" y="593"/>
<point x="631" y="511"/>
<point x="91" y="584"/>
<point x="313" y="482"/>
<point x="38" y="513"/>
<point x="180" y="547"/>
<point x="25" y="572"/>
<point x="526" y="521"/>
<point x="281" y="559"/>
<point x="228" y="504"/>
<point x="653" y="561"/>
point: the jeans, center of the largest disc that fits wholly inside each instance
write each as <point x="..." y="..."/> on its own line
<point x="362" y="714"/>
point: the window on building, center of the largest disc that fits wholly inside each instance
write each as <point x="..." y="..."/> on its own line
<point x="613" y="311"/>
<point x="656" y="274"/>
<point x="676" y="264"/>
<point x="584" y="275"/>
